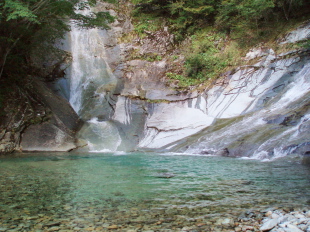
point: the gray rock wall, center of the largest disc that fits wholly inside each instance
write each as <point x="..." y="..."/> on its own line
<point x="36" y="119"/>
<point x="255" y="111"/>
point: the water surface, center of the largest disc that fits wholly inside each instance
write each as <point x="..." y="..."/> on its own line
<point x="77" y="191"/>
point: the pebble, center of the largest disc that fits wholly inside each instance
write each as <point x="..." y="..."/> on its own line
<point x="274" y="216"/>
<point x="166" y="219"/>
<point x="269" y="224"/>
<point x="296" y="221"/>
<point x="113" y="227"/>
<point x="54" y="228"/>
<point x="269" y="213"/>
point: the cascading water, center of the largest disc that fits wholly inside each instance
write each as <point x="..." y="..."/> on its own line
<point x="91" y="87"/>
<point x="89" y="70"/>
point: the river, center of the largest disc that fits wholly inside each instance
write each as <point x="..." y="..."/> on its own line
<point x="142" y="191"/>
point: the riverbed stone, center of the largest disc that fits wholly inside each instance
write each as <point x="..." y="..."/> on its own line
<point x="292" y="228"/>
<point x="269" y="224"/>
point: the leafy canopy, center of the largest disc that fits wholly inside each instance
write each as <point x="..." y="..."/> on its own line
<point x="186" y="16"/>
<point x="28" y="25"/>
<point x="237" y="23"/>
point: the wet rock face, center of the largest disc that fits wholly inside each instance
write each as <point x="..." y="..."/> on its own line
<point x="269" y="103"/>
<point x="36" y="119"/>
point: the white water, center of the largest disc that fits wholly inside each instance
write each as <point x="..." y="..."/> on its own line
<point x="91" y="81"/>
<point x="100" y="137"/>
<point x="89" y="68"/>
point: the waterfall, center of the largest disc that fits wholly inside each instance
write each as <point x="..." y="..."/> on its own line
<point x="89" y="68"/>
<point x="91" y="86"/>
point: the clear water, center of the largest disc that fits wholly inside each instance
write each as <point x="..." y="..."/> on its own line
<point x="77" y="191"/>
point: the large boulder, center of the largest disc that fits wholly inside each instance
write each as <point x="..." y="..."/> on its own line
<point x="57" y="133"/>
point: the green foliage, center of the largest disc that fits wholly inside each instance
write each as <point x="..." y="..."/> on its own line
<point x="17" y="10"/>
<point x="234" y="12"/>
<point x="183" y="81"/>
<point x="304" y="44"/>
<point x="235" y="26"/>
<point x="181" y="15"/>
<point x="33" y="25"/>
<point x="290" y="7"/>
<point x="151" y="57"/>
<point x="234" y="16"/>
<point x="146" y="23"/>
<point x="202" y="60"/>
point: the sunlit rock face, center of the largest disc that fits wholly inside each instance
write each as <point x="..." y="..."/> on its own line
<point x="124" y="103"/>
<point x="301" y="33"/>
<point x="170" y="122"/>
<point x="263" y="118"/>
<point x="258" y="111"/>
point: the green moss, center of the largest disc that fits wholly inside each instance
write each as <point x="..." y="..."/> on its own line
<point x="36" y="120"/>
<point x="146" y="23"/>
<point x="157" y="101"/>
<point x="150" y="57"/>
<point x="183" y="81"/>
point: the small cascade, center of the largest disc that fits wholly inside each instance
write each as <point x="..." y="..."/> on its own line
<point x="100" y="137"/>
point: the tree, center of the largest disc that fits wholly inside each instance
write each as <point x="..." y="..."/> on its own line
<point x="245" y="12"/>
<point x="289" y="6"/>
<point x="182" y="14"/>
<point x="28" y="24"/>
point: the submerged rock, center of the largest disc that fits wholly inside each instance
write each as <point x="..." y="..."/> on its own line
<point x="306" y="158"/>
<point x="206" y="152"/>
<point x="223" y="152"/>
<point x="165" y="175"/>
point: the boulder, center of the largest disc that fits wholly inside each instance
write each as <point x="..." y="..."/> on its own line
<point x="306" y="158"/>
<point x="268" y="225"/>
<point x="57" y="133"/>
<point x="223" y="152"/>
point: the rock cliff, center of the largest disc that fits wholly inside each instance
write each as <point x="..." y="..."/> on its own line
<point x="260" y="110"/>
<point x="118" y="88"/>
